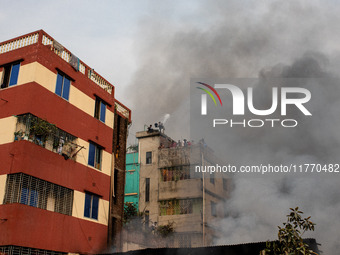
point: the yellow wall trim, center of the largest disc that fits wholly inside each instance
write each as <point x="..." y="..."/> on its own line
<point x="3" y="179"/>
<point x="79" y="205"/>
<point x="7" y="133"/>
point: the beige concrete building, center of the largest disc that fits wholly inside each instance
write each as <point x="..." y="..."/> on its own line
<point x="172" y="192"/>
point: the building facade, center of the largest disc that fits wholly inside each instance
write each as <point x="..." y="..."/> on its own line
<point x="171" y="192"/>
<point x="61" y="142"/>
<point x="132" y="178"/>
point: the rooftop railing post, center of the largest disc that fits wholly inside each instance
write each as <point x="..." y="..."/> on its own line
<point x="40" y="37"/>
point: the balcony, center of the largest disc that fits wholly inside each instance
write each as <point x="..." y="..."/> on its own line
<point x="180" y="189"/>
<point x="46" y="135"/>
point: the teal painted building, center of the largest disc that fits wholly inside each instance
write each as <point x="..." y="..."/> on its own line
<point x="132" y="178"/>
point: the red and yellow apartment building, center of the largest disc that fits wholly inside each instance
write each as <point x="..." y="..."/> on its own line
<point x="59" y="149"/>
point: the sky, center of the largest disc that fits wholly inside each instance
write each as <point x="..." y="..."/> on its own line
<point x="149" y="50"/>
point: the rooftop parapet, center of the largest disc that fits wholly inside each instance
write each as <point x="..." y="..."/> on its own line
<point x="143" y="134"/>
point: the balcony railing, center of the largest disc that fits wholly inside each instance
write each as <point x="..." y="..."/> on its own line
<point x="180" y="206"/>
<point x="124" y="111"/>
<point x="174" y="156"/>
<point x="18" y="43"/>
<point x="60" y="51"/>
<point x="177" y="173"/>
<point x="46" y="135"/>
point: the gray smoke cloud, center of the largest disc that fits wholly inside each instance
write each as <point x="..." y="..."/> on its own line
<point x="234" y="39"/>
<point x="251" y="39"/>
<point x="259" y="204"/>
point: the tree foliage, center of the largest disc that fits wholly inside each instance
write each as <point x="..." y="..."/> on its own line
<point x="290" y="236"/>
<point x="165" y="230"/>
<point x="131" y="212"/>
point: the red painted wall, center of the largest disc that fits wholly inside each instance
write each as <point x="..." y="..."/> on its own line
<point x="35" y="99"/>
<point x="24" y="156"/>
<point x="28" y="226"/>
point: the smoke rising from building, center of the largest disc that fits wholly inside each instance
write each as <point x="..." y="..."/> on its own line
<point x="251" y="39"/>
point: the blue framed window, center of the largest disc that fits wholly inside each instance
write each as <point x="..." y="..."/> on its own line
<point x="29" y="197"/>
<point x="10" y="75"/>
<point x="62" y="87"/>
<point x="95" y="156"/>
<point x="91" y="206"/>
<point x="100" y="110"/>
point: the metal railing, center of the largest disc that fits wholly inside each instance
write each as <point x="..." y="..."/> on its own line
<point x="175" y="156"/>
<point x="175" y="173"/>
<point x="17" y="250"/>
<point x="175" y="207"/>
<point x="28" y="190"/>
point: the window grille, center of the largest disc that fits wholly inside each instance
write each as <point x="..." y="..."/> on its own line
<point x="17" y="250"/>
<point x="25" y="189"/>
<point x="175" y="173"/>
<point x="175" y="207"/>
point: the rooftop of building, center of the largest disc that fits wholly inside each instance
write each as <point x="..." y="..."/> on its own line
<point x="167" y="141"/>
<point x="40" y="37"/>
<point x="143" y="134"/>
<point x="233" y="249"/>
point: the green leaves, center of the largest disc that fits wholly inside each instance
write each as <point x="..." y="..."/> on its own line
<point x="165" y="230"/>
<point x="131" y="212"/>
<point x="42" y="127"/>
<point x="290" y="238"/>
